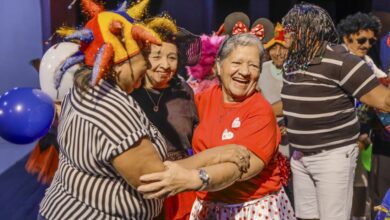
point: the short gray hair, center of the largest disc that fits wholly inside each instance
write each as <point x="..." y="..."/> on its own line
<point x="247" y="39"/>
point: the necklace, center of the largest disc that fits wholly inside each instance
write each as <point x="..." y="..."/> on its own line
<point x="155" y="105"/>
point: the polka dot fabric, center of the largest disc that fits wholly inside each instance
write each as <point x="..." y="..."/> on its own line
<point x="275" y="206"/>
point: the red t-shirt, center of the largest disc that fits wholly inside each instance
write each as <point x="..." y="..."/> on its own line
<point x="250" y="123"/>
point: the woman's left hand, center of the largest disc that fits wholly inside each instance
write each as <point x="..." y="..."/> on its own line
<point x="173" y="180"/>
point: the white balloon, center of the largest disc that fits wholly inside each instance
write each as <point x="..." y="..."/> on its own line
<point x="50" y="63"/>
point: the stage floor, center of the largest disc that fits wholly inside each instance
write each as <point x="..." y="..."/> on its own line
<point x="11" y="153"/>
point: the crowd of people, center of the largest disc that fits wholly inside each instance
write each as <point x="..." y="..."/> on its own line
<point x="160" y="126"/>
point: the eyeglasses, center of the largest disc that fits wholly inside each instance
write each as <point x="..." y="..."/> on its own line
<point x="363" y="40"/>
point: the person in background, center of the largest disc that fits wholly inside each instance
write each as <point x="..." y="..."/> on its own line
<point x="234" y="112"/>
<point x="168" y="101"/>
<point x="271" y="77"/>
<point x="359" y="33"/>
<point x="320" y="84"/>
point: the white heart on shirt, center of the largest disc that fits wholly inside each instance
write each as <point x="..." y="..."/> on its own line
<point x="236" y="123"/>
<point x="227" y="135"/>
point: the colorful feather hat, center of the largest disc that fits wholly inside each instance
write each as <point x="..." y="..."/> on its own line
<point x="108" y="38"/>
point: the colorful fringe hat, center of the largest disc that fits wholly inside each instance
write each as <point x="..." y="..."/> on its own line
<point x="278" y="37"/>
<point x="108" y="38"/>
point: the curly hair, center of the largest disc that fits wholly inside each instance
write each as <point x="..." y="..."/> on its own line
<point x="359" y="21"/>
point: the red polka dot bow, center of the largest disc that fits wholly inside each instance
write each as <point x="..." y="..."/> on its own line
<point x="240" y="28"/>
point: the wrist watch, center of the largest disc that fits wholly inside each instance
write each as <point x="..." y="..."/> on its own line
<point x="204" y="177"/>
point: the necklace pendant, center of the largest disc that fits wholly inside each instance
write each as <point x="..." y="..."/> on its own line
<point x="155" y="108"/>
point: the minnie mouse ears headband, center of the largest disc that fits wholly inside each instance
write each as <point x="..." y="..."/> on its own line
<point x="108" y="38"/>
<point x="267" y="26"/>
<point x="238" y="22"/>
<point x="231" y="20"/>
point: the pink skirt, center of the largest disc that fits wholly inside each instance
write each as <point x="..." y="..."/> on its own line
<point x="275" y="206"/>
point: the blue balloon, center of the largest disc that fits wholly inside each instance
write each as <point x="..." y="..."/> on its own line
<point x="26" y="114"/>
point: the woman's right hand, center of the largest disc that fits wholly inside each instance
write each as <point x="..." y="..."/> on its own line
<point x="233" y="153"/>
<point x="173" y="180"/>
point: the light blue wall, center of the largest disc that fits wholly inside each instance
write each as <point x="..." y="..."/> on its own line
<point x="20" y="42"/>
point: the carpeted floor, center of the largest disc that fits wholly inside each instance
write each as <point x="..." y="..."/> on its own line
<point x="20" y="192"/>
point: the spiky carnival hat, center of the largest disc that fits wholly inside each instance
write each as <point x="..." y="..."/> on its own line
<point x="108" y="38"/>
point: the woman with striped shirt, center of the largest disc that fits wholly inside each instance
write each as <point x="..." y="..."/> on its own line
<point x="106" y="141"/>
<point x="103" y="134"/>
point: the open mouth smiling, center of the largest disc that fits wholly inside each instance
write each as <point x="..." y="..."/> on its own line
<point x="240" y="80"/>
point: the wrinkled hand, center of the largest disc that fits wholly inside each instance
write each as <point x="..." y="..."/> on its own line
<point x="173" y="180"/>
<point x="234" y="153"/>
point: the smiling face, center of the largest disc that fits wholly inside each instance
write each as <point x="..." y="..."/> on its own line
<point x="163" y="65"/>
<point x="360" y="42"/>
<point x="239" y="73"/>
<point x="278" y="54"/>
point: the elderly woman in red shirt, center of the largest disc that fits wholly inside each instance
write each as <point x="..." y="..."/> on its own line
<point x="234" y="112"/>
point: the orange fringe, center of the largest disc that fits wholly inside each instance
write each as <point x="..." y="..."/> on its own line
<point x="44" y="163"/>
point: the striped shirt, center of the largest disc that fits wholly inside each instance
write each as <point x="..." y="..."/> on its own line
<point x="318" y="103"/>
<point x="96" y="126"/>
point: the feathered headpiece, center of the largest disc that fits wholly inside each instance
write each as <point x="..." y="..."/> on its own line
<point x="210" y="46"/>
<point x="108" y="38"/>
